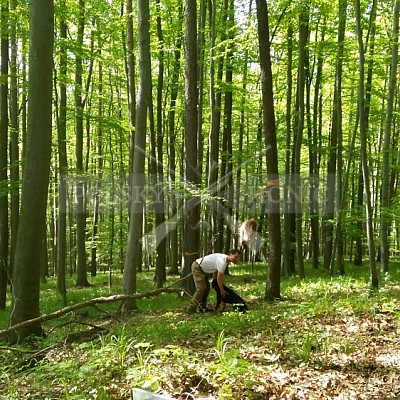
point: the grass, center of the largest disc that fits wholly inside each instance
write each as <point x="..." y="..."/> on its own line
<point x="331" y="330"/>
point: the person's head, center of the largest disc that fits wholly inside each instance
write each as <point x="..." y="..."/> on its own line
<point x="233" y="256"/>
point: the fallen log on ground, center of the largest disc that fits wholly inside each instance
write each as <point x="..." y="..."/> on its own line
<point x="87" y="303"/>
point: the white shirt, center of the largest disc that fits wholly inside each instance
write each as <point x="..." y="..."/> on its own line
<point x="213" y="262"/>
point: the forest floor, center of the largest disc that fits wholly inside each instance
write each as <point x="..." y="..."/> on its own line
<point x="328" y="339"/>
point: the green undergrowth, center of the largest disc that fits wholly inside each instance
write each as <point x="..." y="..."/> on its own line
<point x="323" y="326"/>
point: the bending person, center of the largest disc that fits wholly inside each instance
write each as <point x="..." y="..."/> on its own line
<point x="201" y="268"/>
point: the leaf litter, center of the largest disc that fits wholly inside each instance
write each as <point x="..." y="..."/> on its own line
<point x="329" y="356"/>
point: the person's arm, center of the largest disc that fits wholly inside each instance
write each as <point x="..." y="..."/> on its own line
<point x="221" y="281"/>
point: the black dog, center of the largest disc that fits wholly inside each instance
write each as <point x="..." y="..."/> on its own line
<point x="230" y="298"/>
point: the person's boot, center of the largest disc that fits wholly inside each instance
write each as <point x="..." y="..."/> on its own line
<point x="191" y="309"/>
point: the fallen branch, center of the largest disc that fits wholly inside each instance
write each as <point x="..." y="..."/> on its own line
<point x="87" y="303"/>
<point x="24" y="351"/>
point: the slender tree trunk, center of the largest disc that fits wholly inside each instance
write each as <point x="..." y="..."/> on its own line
<point x="238" y="184"/>
<point x="227" y="130"/>
<point x="159" y="204"/>
<point x="80" y="211"/>
<point x="63" y="170"/>
<point x="313" y="155"/>
<point x="157" y="193"/>
<point x="359" y="251"/>
<point x="337" y="248"/>
<point x="112" y="213"/>
<point x="202" y="69"/>
<point x="213" y="140"/>
<point x="32" y="228"/>
<point x="330" y="191"/>
<point x="100" y="163"/>
<point x="4" y="228"/>
<point x="289" y="212"/>
<point x="133" y="259"/>
<point x="14" y="145"/>
<point x="192" y="206"/>
<point x="272" y="290"/>
<point x="173" y="236"/>
<point x="131" y="83"/>
<point x="131" y="62"/>
<point x="303" y="37"/>
<point x="358" y="259"/>
<point x="222" y="182"/>
<point x="364" y="156"/>
<point x="385" y="192"/>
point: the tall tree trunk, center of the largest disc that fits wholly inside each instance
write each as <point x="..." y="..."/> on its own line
<point x="81" y="279"/>
<point x="330" y="191"/>
<point x="63" y="169"/>
<point x="14" y="143"/>
<point x="385" y="192"/>
<point x="337" y="248"/>
<point x="289" y="212"/>
<point x="202" y="70"/>
<point x="4" y="228"/>
<point x="32" y="228"/>
<point x="239" y="171"/>
<point x="222" y="182"/>
<point x="313" y="154"/>
<point x="272" y="290"/>
<point x="368" y="92"/>
<point x="131" y="73"/>
<point x="192" y="174"/>
<point x="359" y="251"/>
<point x="100" y="163"/>
<point x="227" y="129"/>
<point x="159" y="189"/>
<point x="173" y="236"/>
<point x="110" y="265"/>
<point x="157" y="192"/>
<point x="303" y="37"/>
<point x="364" y="155"/>
<point x="213" y="140"/>
<point x="130" y="63"/>
<point x="133" y="259"/>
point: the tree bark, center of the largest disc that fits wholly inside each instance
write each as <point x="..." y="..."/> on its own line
<point x="173" y="236"/>
<point x="4" y="226"/>
<point x="63" y="170"/>
<point x="192" y="174"/>
<point x="337" y="248"/>
<point x="364" y="155"/>
<point x="272" y="290"/>
<point x="238" y="183"/>
<point x="289" y="243"/>
<point x="214" y="245"/>
<point x="31" y="234"/>
<point x="99" y="175"/>
<point x="227" y="129"/>
<point x="133" y="259"/>
<point x="386" y="174"/>
<point x="314" y="139"/>
<point x="80" y="212"/>
<point x="15" y="131"/>
<point x="159" y="189"/>
<point x="301" y="74"/>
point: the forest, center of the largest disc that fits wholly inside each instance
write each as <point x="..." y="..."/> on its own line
<point x="138" y="136"/>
